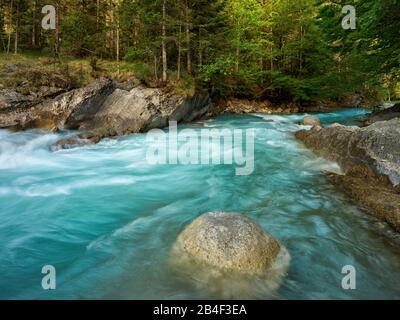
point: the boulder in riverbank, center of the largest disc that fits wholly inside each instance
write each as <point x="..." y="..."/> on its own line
<point x="100" y="110"/>
<point x="383" y="115"/>
<point x="54" y="113"/>
<point x="370" y="160"/>
<point x="138" y="110"/>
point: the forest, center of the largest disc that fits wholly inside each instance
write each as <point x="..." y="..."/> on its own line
<point x="293" y="50"/>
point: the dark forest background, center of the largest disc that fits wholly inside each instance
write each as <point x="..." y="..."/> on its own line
<point x="276" y="49"/>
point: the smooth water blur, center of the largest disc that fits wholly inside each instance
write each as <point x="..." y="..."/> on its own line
<point x="106" y="219"/>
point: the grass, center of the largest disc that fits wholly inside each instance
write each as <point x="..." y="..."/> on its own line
<point x="32" y="70"/>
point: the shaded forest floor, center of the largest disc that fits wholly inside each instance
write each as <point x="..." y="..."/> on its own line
<point x="32" y="72"/>
<point x="44" y="76"/>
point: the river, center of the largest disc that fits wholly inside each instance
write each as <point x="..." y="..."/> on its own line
<point x="106" y="219"/>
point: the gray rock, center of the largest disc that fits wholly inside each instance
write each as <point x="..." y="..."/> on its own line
<point x="383" y="115"/>
<point x="139" y="110"/>
<point x="229" y="241"/>
<point x="72" y="142"/>
<point x="54" y="113"/>
<point x="370" y="160"/>
<point x="192" y="108"/>
<point x="129" y="84"/>
<point x="311" y="121"/>
<point x="377" y="146"/>
<point x="230" y="256"/>
<point x="100" y="110"/>
<point x="10" y="98"/>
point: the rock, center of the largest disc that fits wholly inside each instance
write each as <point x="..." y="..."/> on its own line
<point x="376" y="146"/>
<point x="12" y="68"/>
<point x="354" y="101"/>
<point x="54" y="113"/>
<point x="10" y="99"/>
<point x="72" y="142"/>
<point x="129" y="84"/>
<point x="45" y="92"/>
<point x="231" y="242"/>
<point x="100" y="110"/>
<point x="228" y="253"/>
<point x="370" y="156"/>
<point x="192" y="108"/>
<point x="139" y="110"/>
<point x="311" y="121"/>
<point x="383" y="115"/>
<point x="243" y="106"/>
<point x="373" y="194"/>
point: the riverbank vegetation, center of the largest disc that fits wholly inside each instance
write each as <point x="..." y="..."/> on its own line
<point x="270" y="49"/>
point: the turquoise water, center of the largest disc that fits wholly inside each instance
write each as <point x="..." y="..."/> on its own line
<point x="106" y="219"/>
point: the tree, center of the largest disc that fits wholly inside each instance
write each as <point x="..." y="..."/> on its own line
<point x="264" y="49"/>
<point x="164" y="41"/>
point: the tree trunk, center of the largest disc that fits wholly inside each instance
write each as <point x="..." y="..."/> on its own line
<point x="135" y="31"/>
<point x="112" y="45"/>
<point x="155" y="68"/>
<point x="200" y="49"/>
<point x="34" y="22"/>
<point x="179" y="51"/>
<point x="117" y="32"/>
<point x="97" y="25"/>
<point x="301" y="49"/>
<point x="16" y="30"/>
<point x="272" y="39"/>
<point x="237" y="50"/>
<point x="9" y="33"/>
<point x="188" y="53"/>
<point x="118" y="44"/>
<point x="57" y="33"/>
<point x="164" y="45"/>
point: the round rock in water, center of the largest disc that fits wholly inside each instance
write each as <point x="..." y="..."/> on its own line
<point x="231" y="256"/>
<point x="312" y="121"/>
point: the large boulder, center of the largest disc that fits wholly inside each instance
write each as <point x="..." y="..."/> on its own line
<point x="383" y="115"/>
<point x="376" y="146"/>
<point x="100" y="110"/>
<point x="227" y="253"/>
<point x="138" y="110"/>
<point x="369" y="157"/>
<point x="54" y="113"/>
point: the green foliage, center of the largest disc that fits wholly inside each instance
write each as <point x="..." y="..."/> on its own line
<point x="274" y="49"/>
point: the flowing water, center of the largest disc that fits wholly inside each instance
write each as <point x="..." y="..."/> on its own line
<point x="106" y="219"/>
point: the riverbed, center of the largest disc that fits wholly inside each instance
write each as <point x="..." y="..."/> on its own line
<point x="106" y="219"/>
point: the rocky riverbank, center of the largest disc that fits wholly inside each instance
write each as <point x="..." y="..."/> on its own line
<point x="383" y="114"/>
<point x="102" y="109"/>
<point x="243" y="106"/>
<point x="370" y="161"/>
<point x="369" y="156"/>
